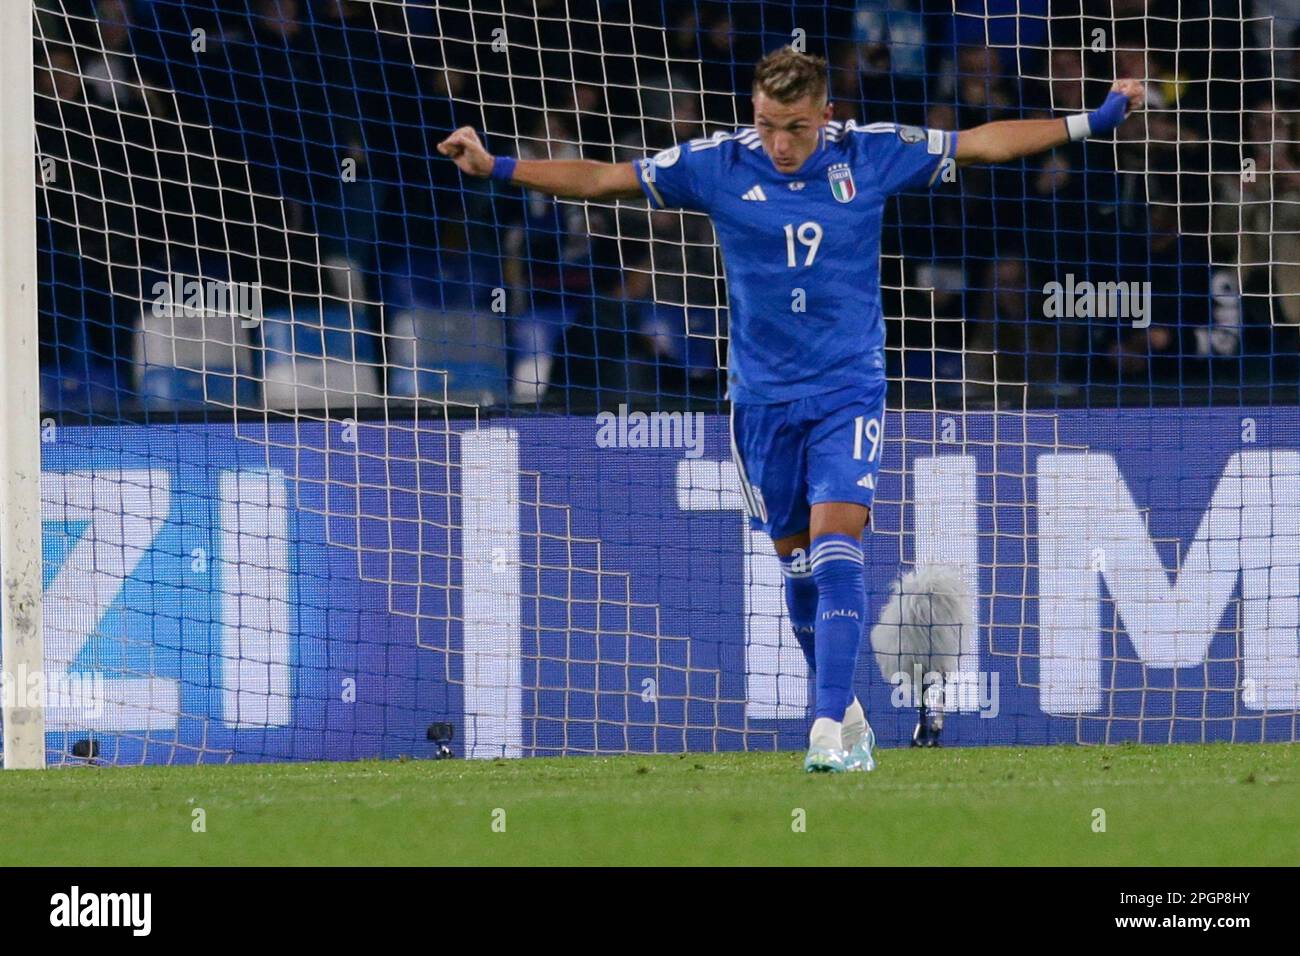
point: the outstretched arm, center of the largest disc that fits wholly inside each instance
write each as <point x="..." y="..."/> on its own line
<point x="567" y="178"/>
<point x="1006" y="140"/>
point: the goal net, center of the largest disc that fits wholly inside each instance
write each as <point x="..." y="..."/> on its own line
<point x="339" y="446"/>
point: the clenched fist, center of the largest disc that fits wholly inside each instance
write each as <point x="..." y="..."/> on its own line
<point x="1134" y="90"/>
<point x="465" y="149"/>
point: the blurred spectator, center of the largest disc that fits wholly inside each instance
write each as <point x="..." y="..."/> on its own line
<point x="548" y="265"/>
<point x="992" y="196"/>
<point x="898" y="28"/>
<point x="1002" y="23"/>
<point x="1011" y="344"/>
<point x="1277" y="28"/>
<point x="238" y="173"/>
<point x="674" y="276"/>
<point x="1257" y="212"/>
<point x="996" y="338"/>
<point x="112" y="76"/>
<point x="718" y="80"/>
<point x="1193" y="311"/>
<point x="984" y="94"/>
<point x="347" y="214"/>
<point x="930" y="224"/>
<point x="1065" y="82"/>
<point x="887" y="63"/>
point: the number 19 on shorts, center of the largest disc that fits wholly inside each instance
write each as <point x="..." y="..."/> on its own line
<point x="867" y="432"/>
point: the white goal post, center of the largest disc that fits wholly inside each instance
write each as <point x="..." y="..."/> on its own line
<point x="22" y="657"/>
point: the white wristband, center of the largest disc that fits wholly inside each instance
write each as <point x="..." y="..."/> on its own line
<point x="1078" y="127"/>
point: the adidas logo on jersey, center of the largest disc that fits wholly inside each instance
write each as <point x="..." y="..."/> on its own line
<point x="756" y="194"/>
<point x="867" y="481"/>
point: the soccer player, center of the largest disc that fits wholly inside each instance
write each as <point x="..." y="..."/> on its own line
<point x="796" y="201"/>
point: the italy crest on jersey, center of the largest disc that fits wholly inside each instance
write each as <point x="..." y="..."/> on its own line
<point x="841" y="177"/>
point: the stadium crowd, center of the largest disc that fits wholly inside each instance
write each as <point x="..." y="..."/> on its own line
<point x="290" y="144"/>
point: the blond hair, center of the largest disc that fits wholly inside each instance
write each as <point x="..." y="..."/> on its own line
<point x="787" y="76"/>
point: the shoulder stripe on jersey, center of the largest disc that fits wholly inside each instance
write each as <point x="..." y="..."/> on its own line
<point x="718" y="138"/>
<point x="644" y="166"/>
<point x="852" y="127"/>
<point x="948" y="147"/>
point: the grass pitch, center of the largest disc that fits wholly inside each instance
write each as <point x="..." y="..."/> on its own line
<point x="1210" y="805"/>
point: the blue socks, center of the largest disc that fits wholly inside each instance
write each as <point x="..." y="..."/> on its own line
<point x="826" y="599"/>
<point x="836" y="562"/>
<point x="801" y="603"/>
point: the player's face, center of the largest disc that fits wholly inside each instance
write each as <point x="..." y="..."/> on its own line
<point x="789" y="130"/>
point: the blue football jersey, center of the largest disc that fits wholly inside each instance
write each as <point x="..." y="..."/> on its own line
<point x="801" y="250"/>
